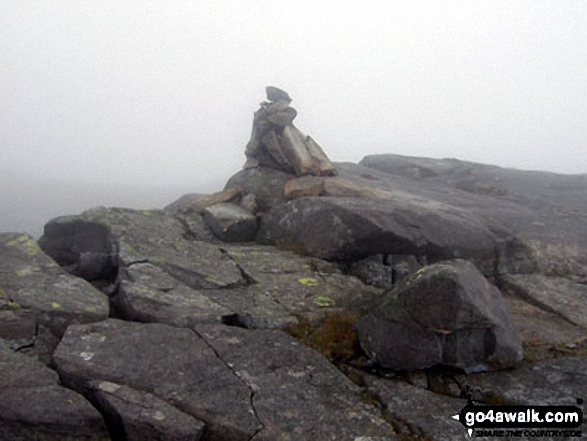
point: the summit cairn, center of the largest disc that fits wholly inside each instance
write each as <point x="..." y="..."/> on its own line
<point x="276" y="143"/>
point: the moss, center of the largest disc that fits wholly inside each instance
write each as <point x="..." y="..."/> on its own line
<point x="308" y="281"/>
<point x="14" y="306"/>
<point x="335" y="337"/>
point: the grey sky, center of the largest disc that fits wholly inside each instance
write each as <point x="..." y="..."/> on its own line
<point x="162" y="93"/>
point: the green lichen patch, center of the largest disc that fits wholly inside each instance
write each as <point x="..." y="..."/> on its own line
<point x="90" y="309"/>
<point x="27" y="271"/>
<point x="308" y="281"/>
<point x="14" y="306"/>
<point x="324" y="301"/>
<point x="55" y="305"/>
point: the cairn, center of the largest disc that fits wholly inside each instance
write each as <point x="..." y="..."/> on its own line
<point x="276" y="143"/>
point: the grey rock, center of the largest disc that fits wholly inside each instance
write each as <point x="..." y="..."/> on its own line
<point x="34" y="406"/>
<point x="283" y="117"/>
<point x="447" y="313"/>
<point x="272" y="143"/>
<point x="140" y="416"/>
<point x="146" y="293"/>
<point x="18" y="325"/>
<point x="276" y="94"/>
<point x="249" y="203"/>
<point x="173" y="364"/>
<point x="373" y="271"/>
<point x="101" y="241"/>
<point x="31" y="280"/>
<point x="326" y="167"/>
<point x="227" y="195"/>
<point x="418" y="413"/>
<point x="297" y="394"/>
<point x="556" y="294"/>
<point x="265" y="183"/>
<point x="353" y="228"/>
<point x="231" y="223"/>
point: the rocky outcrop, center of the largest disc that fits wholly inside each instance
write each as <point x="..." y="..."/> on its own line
<point x="33" y="405"/>
<point x="448" y="314"/>
<point x="276" y="143"/>
<point x="231" y="223"/>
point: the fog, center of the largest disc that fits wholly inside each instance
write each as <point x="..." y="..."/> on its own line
<point x="133" y="103"/>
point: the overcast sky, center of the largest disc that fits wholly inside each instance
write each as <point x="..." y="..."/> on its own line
<point x="163" y="93"/>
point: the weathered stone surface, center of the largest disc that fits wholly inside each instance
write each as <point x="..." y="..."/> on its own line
<point x="286" y="286"/>
<point x="295" y="150"/>
<point x="34" y="406"/>
<point x="140" y="416"/>
<point x="416" y="412"/>
<point x="561" y="296"/>
<point x="304" y="186"/>
<point x="282" y="117"/>
<point x="228" y="195"/>
<point x="174" y="364"/>
<point x="249" y="203"/>
<point x="447" y="313"/>
<point x="265" y="183"/>
<point x="231" y="223"/>
<point x="276" y="94"/>
<point x="550" y="382"/>
<point x="31" y="280"/>
<point x="353" y="228"/>
<point x="18" y="325"/>
<point x="326" y="167"/>
<point x="146" y="293"/>
<point x="96" y="243"/>
<point x="297" y="394"/>
<point x="272" y="143"/>
<point x="373" y="271"/>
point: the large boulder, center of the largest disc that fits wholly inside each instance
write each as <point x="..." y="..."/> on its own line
<point x="231" y="222"/>
<point x="99" y="242"/>
<point x="448" y="314"/>
<point x="34" y="406"/>
<point x="31" y="280"/>
<point x="353" y="228"/>
<point x="265" y="183"/>
<point x="285" y="390"/>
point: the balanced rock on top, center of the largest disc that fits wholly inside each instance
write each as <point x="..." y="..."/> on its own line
<point x="276" y="143"/>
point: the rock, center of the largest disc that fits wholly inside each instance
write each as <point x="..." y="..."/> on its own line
<point x="561" y="296"/>
<point x="415" y="412"/>
<point x="272" y="143"/>
<point x="276" y="94"/>
<point x="546" y="383"/>
<point x="31" y="280"/>
<point x="231" y="223"/>
<point x="326" y="167"/>
<point x="295" y="150"/>
<point x="140" y="416"/>
<point x="34" y="406"/>
<point x="173" y="364"/>
<point x="373" y="271"/>
<point x="146" y="293"/>
<point x="447" y="313"/>
<point x="197" y="228"/>
<point x="297" y="394"/>
<point x="99" y="242"/>
<point x="304" y="186"/>
<point x="283" y="117"/>
<point x="351" y="229"/>
<point x="265" y="183"/>
<point x="183" y="202"/>
<point x="209" y="373"/>
<point x="205" y="202"/>
<point x="18" y="325"/>
<point x="249" y="203"/>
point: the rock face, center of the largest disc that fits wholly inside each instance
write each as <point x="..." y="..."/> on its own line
<point x="276" y="143"/>
<point x="447" y="314"/>
<point x="33" y="405"/>
<point x="231" y="223"/>
<point x="286" y="390"/>
<point x="31" y="280"/>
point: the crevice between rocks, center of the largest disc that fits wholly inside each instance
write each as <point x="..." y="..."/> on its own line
<point x="240" y="379"/>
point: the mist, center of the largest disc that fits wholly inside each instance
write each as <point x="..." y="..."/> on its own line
<point x="135" y="103"/>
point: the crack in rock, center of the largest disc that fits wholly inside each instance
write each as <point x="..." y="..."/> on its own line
<point x="241" y="378"/>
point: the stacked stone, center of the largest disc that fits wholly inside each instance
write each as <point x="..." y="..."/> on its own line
<point x="276" y="143"/>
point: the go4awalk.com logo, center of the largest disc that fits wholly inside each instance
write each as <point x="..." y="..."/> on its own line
<point x="522" y="421"/>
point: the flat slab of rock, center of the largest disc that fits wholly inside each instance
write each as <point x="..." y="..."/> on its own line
<point x="446" y="313"/>
<point x="353" y="228"/>
<point x="146" y="293"/>
<point x="297" y="394"/>
<point x="265" y="183"/>
<point x="284" y="390"/>
<point x="34" y="406"/>
<point x="173" y="364"/>
<point x="140" y="416"/>
<point x="96" y="243"/>
<point x="231" y="223"/>
<point x="31" y="280"/>
<point x="416" y="412"/>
